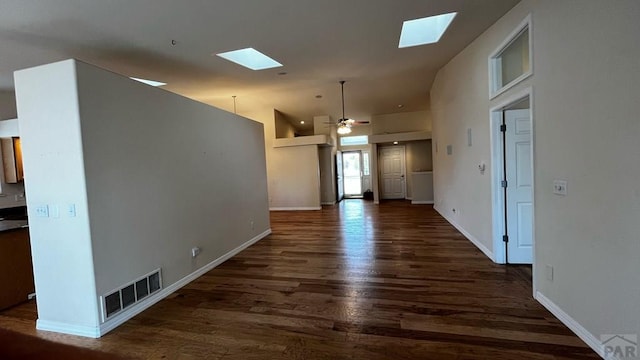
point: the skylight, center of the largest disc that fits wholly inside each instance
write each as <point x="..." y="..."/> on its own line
<point x="149" y="82"/>
<point x="250" y="58"/>
<point x="425" y="30"/>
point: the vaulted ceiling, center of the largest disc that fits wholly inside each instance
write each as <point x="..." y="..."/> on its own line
<point x="319" y="42"/>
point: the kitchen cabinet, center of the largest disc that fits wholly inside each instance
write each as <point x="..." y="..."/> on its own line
<point x="12" y="159"/>
<point x="16" y="269"/>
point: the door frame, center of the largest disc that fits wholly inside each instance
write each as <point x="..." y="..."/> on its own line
<point x="379" y="172"/>
<point x="339" y="176"/>
<point x="361" y="176"/>
<point x="497" y="195"/>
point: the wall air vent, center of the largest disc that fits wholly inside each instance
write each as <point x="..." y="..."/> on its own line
<point x="122" y="298"/>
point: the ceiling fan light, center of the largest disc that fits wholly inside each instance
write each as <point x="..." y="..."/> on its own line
<point x="343" y="130"/>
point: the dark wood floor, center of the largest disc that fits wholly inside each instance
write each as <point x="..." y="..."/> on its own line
<point x="353" y="281"/>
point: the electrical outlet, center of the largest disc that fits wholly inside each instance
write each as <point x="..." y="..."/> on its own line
<point x="549" y="272"/>
<point x="560" y="187"/>
<point x="195" y="251"/>
<point x="42" y="211"/>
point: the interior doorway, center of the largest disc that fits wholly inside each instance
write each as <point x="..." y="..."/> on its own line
<point x="512" y="180"/>
<point x="352" y="172"/>
<point x="392" y="172"/>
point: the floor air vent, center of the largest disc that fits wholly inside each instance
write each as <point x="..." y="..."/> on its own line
<point x="120" y="299"/>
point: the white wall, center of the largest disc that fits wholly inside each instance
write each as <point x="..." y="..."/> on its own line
<point x="295" y="181"/>
<point x="327" y="159"/>
<point x="8" y="192"/>
<point x="284" y="129"/>
<point x="401" y="122"/>
<point x="152" y="175"/>
<point x="327" y="175"/>
<point x="8" y="105"/>
<point x="61" y="247"/>
<point x="585" y="85"/>
<point x="280" y="169"/>
<point x="418" y="158"/>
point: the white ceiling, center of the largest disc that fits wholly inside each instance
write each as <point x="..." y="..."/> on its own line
<point x="319" y="42"/>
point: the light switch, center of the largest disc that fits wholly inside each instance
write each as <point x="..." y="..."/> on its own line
<point x="71" y="210"/>
<point x="560" y="187"/>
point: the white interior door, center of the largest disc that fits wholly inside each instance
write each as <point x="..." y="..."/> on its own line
<point x="392" y="172"/>
<point x="519" y="186"/>
<point x="339" y="178"/>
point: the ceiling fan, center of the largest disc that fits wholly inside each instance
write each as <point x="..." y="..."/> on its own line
<point x="344" y="125"/>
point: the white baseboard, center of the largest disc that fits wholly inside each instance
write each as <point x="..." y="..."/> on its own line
<point x="328" y="203"/>
<point x="117" y="320"/>
<point x="593" y="342"/>
<point x="421" y="202"/>
<point x="295" y="208"/>
<point x="470" y="237"/>
<point x="59" y="327"/>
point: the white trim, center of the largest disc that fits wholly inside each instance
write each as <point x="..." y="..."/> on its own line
<point x="321" y="140"/>
<point x="122" y="317"/>
<point x="326" y="203"/>
<point x="421" y="202"/>
<point x="497" y="207"/>
<point x="494" y="63"/>
<point x="469" y="237"/>
<point x="294" y="208"/>
<point x="145" y="304"/>
<point x="593" y="342"/>
<point x="59" y="327"/>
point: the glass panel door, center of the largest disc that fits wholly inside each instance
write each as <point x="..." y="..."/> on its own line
<point x="352" y="166"/>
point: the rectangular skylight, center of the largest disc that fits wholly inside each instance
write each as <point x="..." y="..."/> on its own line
<point x="425" y="30"/>
<point x="149" y="82"/>
<point x="250" y="58"/>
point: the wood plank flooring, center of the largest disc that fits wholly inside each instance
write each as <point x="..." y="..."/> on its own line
<point x="353" y="281"/>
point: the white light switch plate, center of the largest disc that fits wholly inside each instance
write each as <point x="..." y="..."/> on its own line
<point x="560" y="187"/>
<point x="71" y="210"/>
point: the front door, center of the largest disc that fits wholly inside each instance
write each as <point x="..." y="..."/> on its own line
<point x="519" y="186"/>
<point x="352" y="165"/>
<point x="392" y="172"/>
